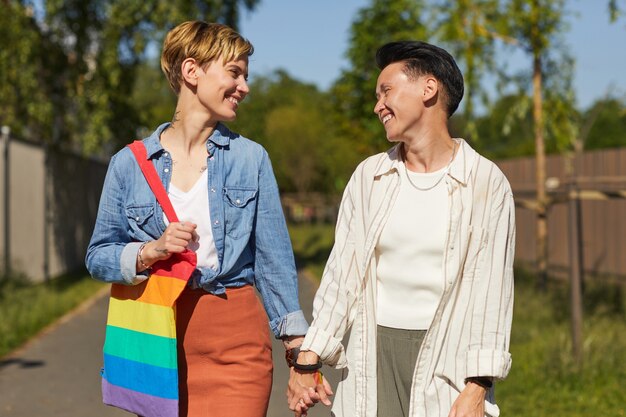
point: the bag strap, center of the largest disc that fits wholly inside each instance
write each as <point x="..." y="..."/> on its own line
<point x="139" y="150"/>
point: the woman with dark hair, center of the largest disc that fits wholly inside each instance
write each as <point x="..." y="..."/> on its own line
<point x="422" y="267"/>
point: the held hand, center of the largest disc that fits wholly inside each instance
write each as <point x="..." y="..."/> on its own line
<point x="175" y="239"/>
<point x="470" y="403"/>
<point x="305" y="389"/>
<point x="290" y="341"/>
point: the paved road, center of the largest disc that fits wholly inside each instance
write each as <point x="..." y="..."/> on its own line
<point x="58" y="373"/>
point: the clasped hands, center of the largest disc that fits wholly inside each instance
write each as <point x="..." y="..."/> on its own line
<point x="305" y="389"/>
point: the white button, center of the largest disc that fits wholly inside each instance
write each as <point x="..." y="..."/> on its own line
<point x="137" y="218"/>
<point x="165" y="154"/>
<point x="238" y="201"/>
<point x="212" y="190"/>
<point x="217" y="222"/>
<point x="167" y="170"/>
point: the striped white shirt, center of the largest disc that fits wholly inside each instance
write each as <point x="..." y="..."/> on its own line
<point x="470" y="332"/>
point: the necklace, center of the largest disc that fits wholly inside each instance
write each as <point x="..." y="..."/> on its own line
<point x="445" y="171"/>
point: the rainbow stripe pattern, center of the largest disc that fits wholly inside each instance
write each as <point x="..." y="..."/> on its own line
<point x="140" y="372"/>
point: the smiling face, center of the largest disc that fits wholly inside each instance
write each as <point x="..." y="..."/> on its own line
<point x="400" y="101"/>
<point x="222" y="86"/>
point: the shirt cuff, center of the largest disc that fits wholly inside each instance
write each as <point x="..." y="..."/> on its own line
<point x="488" y="362"/>
<point x="128" y="264"/>
<point x="291" y="324"/>
<point x="328" y="347"/>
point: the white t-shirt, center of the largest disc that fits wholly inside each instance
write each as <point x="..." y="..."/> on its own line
<point x="193" y="206"/>
<point x="410" y="250"/>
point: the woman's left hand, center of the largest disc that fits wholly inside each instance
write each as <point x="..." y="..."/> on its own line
<point x="470" y="403"/>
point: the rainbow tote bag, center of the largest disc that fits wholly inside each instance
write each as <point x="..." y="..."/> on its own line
<point x="140" y="372"/>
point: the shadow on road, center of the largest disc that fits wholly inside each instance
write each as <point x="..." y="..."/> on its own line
<point x="22" y="363"/>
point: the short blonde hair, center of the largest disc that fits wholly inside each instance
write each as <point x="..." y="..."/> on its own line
<point x="203" y="42"/>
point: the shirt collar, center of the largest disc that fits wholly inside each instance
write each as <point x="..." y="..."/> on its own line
<point x="390" y="162"/>
<point x="153" y="143"/>
<point x="460" y="168"/>
<point x="220" y="136"/>
<point x="462" y="164"/>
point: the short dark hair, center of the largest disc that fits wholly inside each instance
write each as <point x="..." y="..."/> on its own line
<point x="421" y="58"/>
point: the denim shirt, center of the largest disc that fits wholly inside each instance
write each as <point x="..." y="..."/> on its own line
<point x="249" y="227"/>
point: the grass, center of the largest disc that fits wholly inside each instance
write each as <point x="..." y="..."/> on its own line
<point x="544" y="380"/>
<point x="25" y="308"/>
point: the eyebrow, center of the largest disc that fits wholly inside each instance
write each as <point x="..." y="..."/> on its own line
<point x="232" y="65"/>
<point x="381" y="87"/>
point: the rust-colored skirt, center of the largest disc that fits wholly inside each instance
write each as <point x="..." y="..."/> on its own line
<point x="224" y="354"/>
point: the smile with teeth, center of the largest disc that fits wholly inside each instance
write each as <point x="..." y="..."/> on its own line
<point x="233" y="100"/>
<point x="386" y="118"/>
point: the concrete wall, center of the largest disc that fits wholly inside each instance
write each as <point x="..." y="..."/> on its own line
<point x="52" y="204"/>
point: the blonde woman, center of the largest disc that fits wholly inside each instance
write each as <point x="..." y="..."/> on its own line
<point x="224" y="191"/>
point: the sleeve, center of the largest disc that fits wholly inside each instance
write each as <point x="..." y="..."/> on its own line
<point x="335" y="300"/>
<point x="492" y="312"/>
<point x="274" y="265"/>
<point x="111" y="256"/>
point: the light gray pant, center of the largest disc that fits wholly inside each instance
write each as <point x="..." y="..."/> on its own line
<point x="396" y="358"/>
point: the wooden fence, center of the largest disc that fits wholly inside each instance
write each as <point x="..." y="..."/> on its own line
<point x="603" y="211"/>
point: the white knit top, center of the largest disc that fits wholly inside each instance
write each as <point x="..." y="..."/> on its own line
<point x="410" y="251"/>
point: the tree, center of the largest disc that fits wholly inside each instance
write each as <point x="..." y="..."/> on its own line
<point x="607" y="124"/>
<point x="506" y="129"/>
<point x="616" y="10"/>
<point x="292" y="120"/>
<point x="296" y="131"/>
<point x="24" y="105"/>
<point x="535" y="25"/>
<point x="466" y="27"/>
<point x="89" y="56"/>
<point x="353" y="93"/>
<point x="152" y="97"/>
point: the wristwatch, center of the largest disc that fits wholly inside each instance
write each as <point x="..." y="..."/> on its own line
<point x="291" y="355"/>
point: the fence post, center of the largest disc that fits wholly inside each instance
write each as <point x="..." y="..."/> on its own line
<point x="576" y="271"/>
<point x="5" y="134"/>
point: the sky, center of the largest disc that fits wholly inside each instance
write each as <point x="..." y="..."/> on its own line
<point x="309" y="40"/>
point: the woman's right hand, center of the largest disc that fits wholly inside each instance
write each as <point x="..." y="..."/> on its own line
<point x="175" y="239"/>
